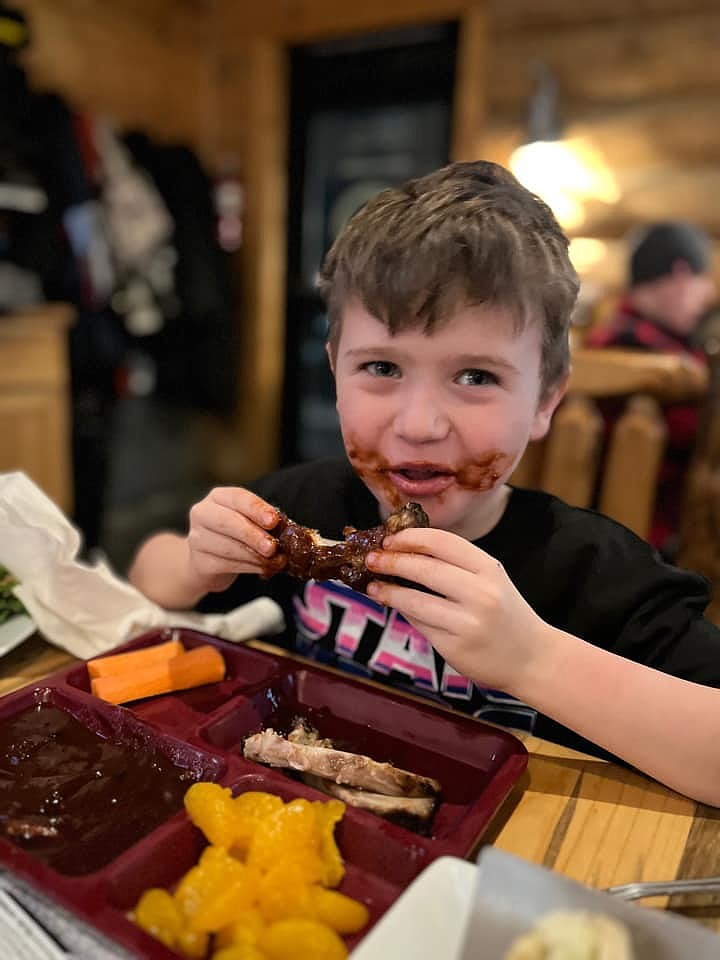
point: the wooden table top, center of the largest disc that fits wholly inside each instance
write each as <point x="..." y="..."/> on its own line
<point x="590" y="820"/>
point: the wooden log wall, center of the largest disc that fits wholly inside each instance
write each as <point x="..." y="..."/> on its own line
<point x="639" y="80"/>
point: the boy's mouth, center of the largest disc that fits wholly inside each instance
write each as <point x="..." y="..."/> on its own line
<point x="418" y="480"/>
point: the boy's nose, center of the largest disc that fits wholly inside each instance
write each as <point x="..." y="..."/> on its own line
<point x="420" y="419"/>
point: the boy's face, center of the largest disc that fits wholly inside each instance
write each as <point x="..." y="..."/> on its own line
<point x="441" y="419"/>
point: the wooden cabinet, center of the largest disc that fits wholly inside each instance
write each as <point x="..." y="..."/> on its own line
<point x="35" y="398"/>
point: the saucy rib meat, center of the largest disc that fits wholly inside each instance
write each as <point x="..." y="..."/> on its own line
<point x="304" y="554"/>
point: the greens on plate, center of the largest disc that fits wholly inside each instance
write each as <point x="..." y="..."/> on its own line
<point x="10" y="606"/>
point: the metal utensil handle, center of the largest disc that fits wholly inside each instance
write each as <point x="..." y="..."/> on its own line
<point x="660" y="888"/>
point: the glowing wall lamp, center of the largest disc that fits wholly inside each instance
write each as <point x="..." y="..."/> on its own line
<point x="564" y="172"/>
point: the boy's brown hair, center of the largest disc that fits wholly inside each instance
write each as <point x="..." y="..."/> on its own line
<point x="468" y="233"/>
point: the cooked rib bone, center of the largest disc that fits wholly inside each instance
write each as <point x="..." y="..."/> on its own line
<point x="302" y="732"/>
<point x="416" y="808"/>
<point x="304" y="554"/>
<point x="351" y="769"/>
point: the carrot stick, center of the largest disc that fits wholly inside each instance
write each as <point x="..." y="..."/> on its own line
<point x="204" y="664"/>
<point x="134" y="659"/>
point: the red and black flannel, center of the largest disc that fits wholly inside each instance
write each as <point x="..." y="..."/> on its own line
<point x="632" y="330"/>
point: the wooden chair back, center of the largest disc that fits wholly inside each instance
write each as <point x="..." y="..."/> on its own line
<point x="569" y="461"/>
<point x="700" y="527"/>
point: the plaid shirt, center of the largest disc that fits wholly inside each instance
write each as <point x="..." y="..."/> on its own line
<point x="629" y="328"/>
<point x="632" y="330"/>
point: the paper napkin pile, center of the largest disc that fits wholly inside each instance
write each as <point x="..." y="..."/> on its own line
<point x="87" y="609"/>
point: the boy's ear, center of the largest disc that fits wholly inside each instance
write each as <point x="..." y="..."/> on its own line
<point x="328" y="351"/>
<point x="547" y="406"/>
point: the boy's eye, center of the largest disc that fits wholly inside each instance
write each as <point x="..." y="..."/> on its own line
<point x="381" y="368"/>
<point x="476" y="378"/>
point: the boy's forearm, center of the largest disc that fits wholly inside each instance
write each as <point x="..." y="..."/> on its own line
<point x="667" y="727"/>
<point x="161" y="571"/>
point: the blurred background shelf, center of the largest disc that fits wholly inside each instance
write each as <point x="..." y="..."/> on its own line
<point x="35" y="398"/>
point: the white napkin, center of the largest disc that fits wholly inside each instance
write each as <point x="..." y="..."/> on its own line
<point x="87" y="609"/>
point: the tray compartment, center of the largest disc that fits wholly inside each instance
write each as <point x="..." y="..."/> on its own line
<point x="475" y="763"/>
<point x="91" y="774"/>
<point x="186" y="708"/>
<point x="377" y="868"/>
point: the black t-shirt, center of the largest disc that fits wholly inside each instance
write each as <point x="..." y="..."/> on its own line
<point x="579" y="570"/>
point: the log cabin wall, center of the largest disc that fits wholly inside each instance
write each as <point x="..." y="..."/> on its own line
<point x="640" y="80"/>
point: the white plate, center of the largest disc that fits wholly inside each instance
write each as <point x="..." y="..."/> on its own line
<point x="427" y="921"/>
<point x="14" y="631"/>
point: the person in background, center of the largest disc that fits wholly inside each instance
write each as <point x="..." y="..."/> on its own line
<point x="449" y="301"/>
<point x="670" y="289"/>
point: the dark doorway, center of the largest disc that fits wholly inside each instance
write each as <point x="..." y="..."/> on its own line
<point x="366" y="113"/>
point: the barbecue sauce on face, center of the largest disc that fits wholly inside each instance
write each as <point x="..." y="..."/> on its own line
<point x="370" y="467"/>
<point x="76" y="800"/>
<point x="479" y="475"/>
<point x="482" y="474"/>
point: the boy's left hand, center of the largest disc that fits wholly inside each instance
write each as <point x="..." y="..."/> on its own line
<point x="474" y="617"/>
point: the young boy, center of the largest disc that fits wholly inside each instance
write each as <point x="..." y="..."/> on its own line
<point x="449" y="300"/>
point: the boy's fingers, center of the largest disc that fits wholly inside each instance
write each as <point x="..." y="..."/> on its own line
<point x="217" y="520"/>
<point x="228" y="550"/>
<point x="427" y="610"/>
<point x="247" y="503"/>
<point x="434" y="543"/>
<point x="442" y="578"/>
<point x="441" y="547"/>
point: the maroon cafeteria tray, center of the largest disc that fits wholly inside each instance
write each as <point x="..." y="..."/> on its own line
<point x="200" y="731"/>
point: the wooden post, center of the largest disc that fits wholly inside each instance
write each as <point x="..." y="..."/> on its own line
<point x="249" y="445"/>
<point x="573" y="451"/>
<point x="700" y="526"/>
<point x="635" y="450"/>
<point x="528" y="472"/>
<point x="471" y="83"/>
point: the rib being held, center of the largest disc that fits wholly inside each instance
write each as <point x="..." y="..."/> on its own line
<point x="304" y="554"/>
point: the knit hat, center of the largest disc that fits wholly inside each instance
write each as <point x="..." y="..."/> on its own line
<point x="665" y="243"/>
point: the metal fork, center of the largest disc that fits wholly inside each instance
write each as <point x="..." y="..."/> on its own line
<point x="661" y="888"/>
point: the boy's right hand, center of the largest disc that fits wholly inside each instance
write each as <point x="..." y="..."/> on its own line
<point x="228" y="535"/>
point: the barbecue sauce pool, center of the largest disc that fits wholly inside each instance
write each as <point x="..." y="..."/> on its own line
<point x="76" y="800"/>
